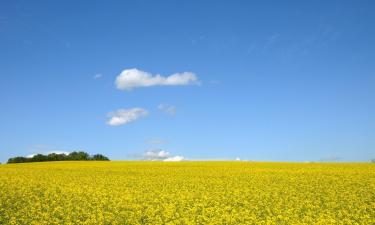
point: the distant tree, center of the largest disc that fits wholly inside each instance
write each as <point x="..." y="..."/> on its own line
<point x="56" y="157"/>
<point x="78" y="156"/>
<point x="99" y="157"/>
<point x="18" y="160"/>
<point x="38" y="158"/>
<point x="373" y="160"/>
<point x="74" y="156"/>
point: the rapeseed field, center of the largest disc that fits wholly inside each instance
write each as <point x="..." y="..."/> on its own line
<point x="187" y="193"/>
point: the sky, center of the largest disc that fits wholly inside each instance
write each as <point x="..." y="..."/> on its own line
<point x="196" y="80"/>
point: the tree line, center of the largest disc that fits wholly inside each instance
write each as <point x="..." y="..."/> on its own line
<point x="73" y="156"/>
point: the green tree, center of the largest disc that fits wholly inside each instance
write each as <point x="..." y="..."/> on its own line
<point x="78" y="156"/>
<point x="18" y="160"/>
<point x="99" y="157"/>
<point x="75" y="156"/>
<point x="39" y="158"/>
<point x="56" y="157"/>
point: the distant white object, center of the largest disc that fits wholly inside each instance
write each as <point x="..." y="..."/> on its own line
<point x="161" y="155"/>
<point x="176" y="158"/>
<point x="156" y="154"/>
<point x="168" y="109"/>
<point x="134" y="78"/>
<point x="49" y="152"/>
<point x="238" y="159"/>
<point x="124" y="116"/>
<point x="98" y="76"/>
<point x="59" y="152"/>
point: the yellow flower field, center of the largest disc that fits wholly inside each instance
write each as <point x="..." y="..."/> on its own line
<point x="187" y="193"/>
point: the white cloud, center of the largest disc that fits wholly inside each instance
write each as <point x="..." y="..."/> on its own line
<point x="124" y="116"/>
<point x="156" y="154"/>
<point x="176" y="158"/>
<point x="133" y="78"/>
<point x="98" y="76"/>
<point x="168" y="109"/>
<point x="30" y="156"/>
<point x="161" y="155"/>
<point x="59" y="152"/>
<point x="49" y="152"/>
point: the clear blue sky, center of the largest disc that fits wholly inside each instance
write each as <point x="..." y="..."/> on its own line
<point x="276" y="80"/>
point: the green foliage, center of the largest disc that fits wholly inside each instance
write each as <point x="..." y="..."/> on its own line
<point x="99" y="157"/>
<point x="18" y="159"/>
<point x="79" y="156"/>
<point x="73" y="156"/>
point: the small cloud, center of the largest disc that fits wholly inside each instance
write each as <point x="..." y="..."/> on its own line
<point x="58" y="152"/>
<point x="161" y="155"/>
<point x="30" y="156"/>
<point x="156" y="154"/>
<point x="168" y="109"/>
<point x="176" y="158"/>
<point x="49" y="152"/>
<point x="98" y="76"/>
<point x="124" y="116"/>
<point x="133" y="78"/>
<point x="156" y="141"/>
<point x="272" y="38"/>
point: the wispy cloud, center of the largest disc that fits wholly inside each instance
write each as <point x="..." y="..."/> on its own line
<point x="168" y="109"/>
<point x="58" y="152"/>
<point x="176" y="158"/>
<point x="48" y="152"/>
<point x="161" y="155"/>
<point x="124" y="116"/>
<point x="98" y="76"/>
<point x="134" y="78"/>
<point x="156" y="154"/>
<point x="270" y="41"/>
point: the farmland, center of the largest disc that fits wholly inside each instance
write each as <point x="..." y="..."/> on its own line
<point x="187" y="193"/>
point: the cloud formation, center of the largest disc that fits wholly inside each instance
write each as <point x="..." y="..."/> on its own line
<point x="49" y="152"/>
<point x="59" y="152"/>
<point x="156" y="154"/>
<point x="168" y="109"/>
<point x="124" y="116"/>
<point x="133" y="78"/>
<point x="98" y="76"/>
<point x="176" y="158"/>
<point x="161" y="155"/>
